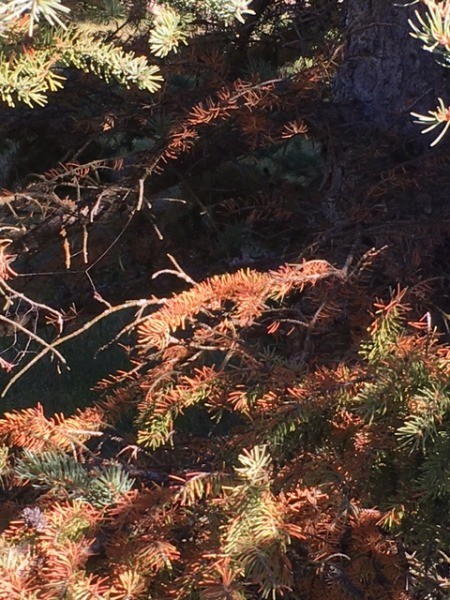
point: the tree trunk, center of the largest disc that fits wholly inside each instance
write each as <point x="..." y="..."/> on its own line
<point x="385" y="73"/>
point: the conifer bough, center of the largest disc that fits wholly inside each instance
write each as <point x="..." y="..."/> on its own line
<point x="38" y="37"/>
<point x="433" y="30"/>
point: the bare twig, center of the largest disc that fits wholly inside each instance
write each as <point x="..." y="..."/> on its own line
<point x="179" y="272"/>
<point x="15" y="294"/>
<point x="34" y="337"/>
<point x="51" y="347"/>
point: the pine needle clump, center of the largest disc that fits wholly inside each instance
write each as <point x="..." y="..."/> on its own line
<point x="40" y="40"/>
<point x="249" y="469"/>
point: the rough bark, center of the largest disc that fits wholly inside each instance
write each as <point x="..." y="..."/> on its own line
<point x="385" y="73"/>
